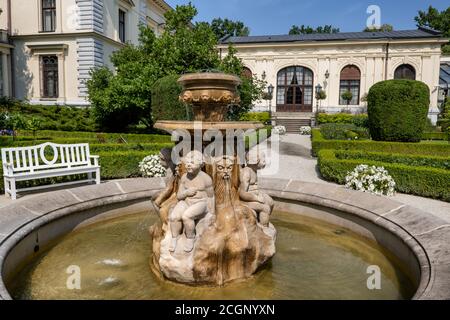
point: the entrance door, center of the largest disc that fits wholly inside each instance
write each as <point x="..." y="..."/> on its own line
<point x="295" y="89"/>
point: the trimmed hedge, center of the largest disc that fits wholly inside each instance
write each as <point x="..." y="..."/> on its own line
<point x="422" y="181"/>
<point x="343" y="131"/>
<point x="407" y="159"/>
<point x="263" y="117"/>
<point x="52" y="117"/>
<point x="360" y="120"/>
<point x="433" y="149"/>
<point x="103" y="137"/>
<point x="398" y="110"/>
<point x="165" y="102"/>
<point x="434" y="136"/>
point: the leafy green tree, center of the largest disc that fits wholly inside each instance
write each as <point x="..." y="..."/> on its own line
<point x="251" y="89"/>
<point x="309" y="30"/>
<point x="383" y="28"/>
<point x="123" y="98"/>
<point x="224" y="27"/>
<point x="438" y="20"/>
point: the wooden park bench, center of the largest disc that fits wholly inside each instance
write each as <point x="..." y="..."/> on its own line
<point x="47" y="160"/>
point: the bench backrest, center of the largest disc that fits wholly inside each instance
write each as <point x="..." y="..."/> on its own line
<point x="46" y="156"/>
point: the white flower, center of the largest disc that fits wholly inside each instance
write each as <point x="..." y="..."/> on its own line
<point x="151" y="166"/>
<point x="375" y="180"/>
<point x="305" y="130"/>
<point x="280" y="130"/>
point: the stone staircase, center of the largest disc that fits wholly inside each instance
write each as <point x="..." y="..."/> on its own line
<point x="293" y="121"/>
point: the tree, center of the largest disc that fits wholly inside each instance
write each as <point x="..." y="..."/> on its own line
<point x="437" y="21"/>
<point x="123" y="98"/>
<point x="224" y="27"/>
<point x="383" y="28"/>
<point x="347" y="96"/>
<point x="251" y="89"/>
<point x="309" y="30"/>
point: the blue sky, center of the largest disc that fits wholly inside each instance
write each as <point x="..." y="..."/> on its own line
<point x="277" y="16"/>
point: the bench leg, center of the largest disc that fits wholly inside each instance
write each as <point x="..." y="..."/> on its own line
<point x="90" y="177"/>
<point x="13" y="188"/>
<point x="6" y="186"/>
<point x="97" y="176"/>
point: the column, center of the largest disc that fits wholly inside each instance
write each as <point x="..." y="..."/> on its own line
<point x="5" y="74"/>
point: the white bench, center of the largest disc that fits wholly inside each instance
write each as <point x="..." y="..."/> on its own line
<point x="30" y="163"/>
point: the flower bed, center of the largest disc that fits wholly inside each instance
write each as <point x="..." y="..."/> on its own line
<point x="419" y="180"/>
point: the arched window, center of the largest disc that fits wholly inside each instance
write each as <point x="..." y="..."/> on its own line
<point x="405" y="71"/>
<point x="247" y="73"/>
<point x="350" y="81"/>
<point x="295" y="89"/>
<point x="49" y="74"/>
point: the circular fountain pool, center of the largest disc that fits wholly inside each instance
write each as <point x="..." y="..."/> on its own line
<point x="314" y="260"/>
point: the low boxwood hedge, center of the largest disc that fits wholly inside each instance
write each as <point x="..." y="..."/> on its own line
<point x="407" y="159"/>
<point x="433" y="149"/>
<point x="422" y="181"/>
<point x="435" y="136"/>
<point x="360" y="120"/>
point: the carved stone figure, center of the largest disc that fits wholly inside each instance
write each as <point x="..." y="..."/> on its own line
<point x="195" y="199"/>
<point x="166" y="199"/>
<point x="249" y="192"/>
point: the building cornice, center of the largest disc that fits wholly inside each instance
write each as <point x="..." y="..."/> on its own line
<point x="72" y="35"/>
<point x="162" y="4"/>
<point x="439" y="41"/>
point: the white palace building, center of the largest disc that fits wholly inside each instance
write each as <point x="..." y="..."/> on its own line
<point x="298" y="65"/>
<point x="48" y="47"/>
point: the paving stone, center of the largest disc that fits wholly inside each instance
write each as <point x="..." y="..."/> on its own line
<point x="437" y="245"/>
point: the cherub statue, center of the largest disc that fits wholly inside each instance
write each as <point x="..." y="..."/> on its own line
<point x="195" y="199"/>
<point x="249" y="193"/>
<point x="166" y="199"/>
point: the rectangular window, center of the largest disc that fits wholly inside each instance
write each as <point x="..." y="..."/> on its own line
<point x="353" y="87"/>
<point x="122" y="25"/>
<point x="48" y="15"/>
<point x="49" y="70"/>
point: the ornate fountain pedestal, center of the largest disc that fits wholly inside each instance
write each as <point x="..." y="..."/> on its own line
<point x="214" y="224"/>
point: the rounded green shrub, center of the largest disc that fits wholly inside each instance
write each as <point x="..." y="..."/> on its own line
<point x="398" y="110"/>
<point x="165" y="102"/>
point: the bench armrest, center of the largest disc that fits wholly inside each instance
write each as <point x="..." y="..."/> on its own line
<point x="95" y="159"/>
<point x="7" y="168"/>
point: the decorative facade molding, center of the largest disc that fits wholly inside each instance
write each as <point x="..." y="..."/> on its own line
<point x="91" y="15"/>
<point x="90" y="55"/>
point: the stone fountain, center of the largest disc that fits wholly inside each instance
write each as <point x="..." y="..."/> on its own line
<point x="214" y="221"/>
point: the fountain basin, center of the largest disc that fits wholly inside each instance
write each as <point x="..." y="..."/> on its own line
<point x="34" y="223"/>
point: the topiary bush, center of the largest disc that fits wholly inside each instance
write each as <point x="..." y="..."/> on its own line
<point x="165" y="102"/>
<point x="398" y="110"/>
